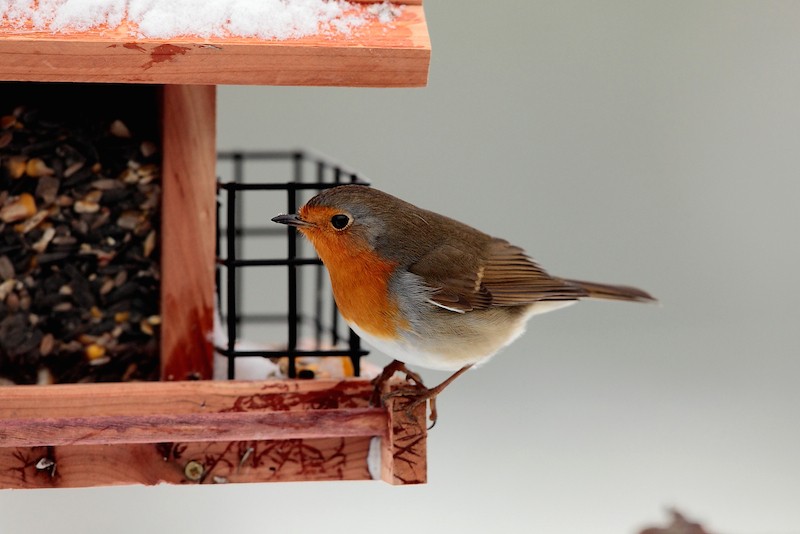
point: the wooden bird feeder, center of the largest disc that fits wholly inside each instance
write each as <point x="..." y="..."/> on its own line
<point x="185" y="427"/>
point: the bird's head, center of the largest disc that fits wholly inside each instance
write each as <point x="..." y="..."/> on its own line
<point x="346" y="220"/>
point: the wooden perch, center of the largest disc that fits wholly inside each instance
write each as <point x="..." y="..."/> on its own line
<point x="159" y="428"/>
<point x="94" y="414"/>
<point x="377" y="55"/>
<point x="106" y="430"/>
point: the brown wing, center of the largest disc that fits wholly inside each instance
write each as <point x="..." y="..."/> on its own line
<point x="499" y="275"/>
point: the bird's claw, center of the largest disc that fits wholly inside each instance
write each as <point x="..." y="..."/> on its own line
<point x="417" y="393"/>
<point x="386" y="374"/>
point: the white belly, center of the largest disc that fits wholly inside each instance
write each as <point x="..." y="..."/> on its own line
<point x="453" y="353"/>
<point x="406" y="352"/>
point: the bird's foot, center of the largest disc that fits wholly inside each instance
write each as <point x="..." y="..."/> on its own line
<point x="416" y="391"/>
<point x="387" y="373"/>
<point x="416" y="394"/>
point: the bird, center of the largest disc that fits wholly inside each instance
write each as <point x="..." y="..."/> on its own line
<point x="428" y="290"/>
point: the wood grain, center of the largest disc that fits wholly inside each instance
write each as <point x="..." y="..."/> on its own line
<point x="376" y="55"/>
<point x="187" y="230"/>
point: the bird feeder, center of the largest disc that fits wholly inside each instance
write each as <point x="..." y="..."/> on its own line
<point x="157" y="97"/>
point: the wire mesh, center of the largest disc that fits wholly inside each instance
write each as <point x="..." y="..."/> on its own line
<point x="296" y="175"/>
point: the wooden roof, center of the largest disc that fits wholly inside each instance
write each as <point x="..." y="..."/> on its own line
<point x="376" y="55"/>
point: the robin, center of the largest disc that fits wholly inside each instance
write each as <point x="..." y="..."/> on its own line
<point x="428" y="290"/>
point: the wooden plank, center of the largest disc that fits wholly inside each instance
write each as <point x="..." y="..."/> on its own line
<point x="187" y="230"/>
<point x="181" y="463"/>
<point x="152" y="412"/>
<point x="377" y="55"/>
<point x="108" y="430"/>
<point x="186" y="397"/>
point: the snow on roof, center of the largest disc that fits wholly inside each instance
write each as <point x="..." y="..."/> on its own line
<point x="263" y="19"/>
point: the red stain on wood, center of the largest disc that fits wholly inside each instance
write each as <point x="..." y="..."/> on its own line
<point x="164" y="52"/>
<point x="341" y="395"/>
<point x="134" y="46"/>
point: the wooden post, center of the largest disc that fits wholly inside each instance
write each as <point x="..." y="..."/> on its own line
<point x="188" y="229"/>
<point x="403" y="451"/>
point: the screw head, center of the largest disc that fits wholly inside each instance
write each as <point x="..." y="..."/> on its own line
<point x="193" y="470"/>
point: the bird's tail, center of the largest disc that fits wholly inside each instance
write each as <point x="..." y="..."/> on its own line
<point x="613" y="292"/>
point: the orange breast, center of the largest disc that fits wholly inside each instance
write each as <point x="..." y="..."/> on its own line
<point x="360" y="282"/>
<point x="363" y="299"/>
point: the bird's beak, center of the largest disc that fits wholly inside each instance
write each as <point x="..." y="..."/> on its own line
<point x="291" y="220"/>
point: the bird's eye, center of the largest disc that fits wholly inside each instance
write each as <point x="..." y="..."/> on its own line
<point x="340" y="221"/>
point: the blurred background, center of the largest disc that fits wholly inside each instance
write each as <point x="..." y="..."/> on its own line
<point x="644" y="143"/>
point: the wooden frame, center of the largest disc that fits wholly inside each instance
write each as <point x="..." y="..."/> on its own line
<point x="187" y="429"/>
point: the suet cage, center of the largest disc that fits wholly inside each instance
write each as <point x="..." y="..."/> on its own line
<point x="317" y="317"/>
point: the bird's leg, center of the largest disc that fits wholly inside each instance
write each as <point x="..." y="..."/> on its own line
<point x="422" y="394"/>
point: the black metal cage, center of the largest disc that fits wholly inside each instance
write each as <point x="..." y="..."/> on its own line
<point x="294" y="175"/>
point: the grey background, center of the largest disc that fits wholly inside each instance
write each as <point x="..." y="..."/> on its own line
<point x="648" y="143"/>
